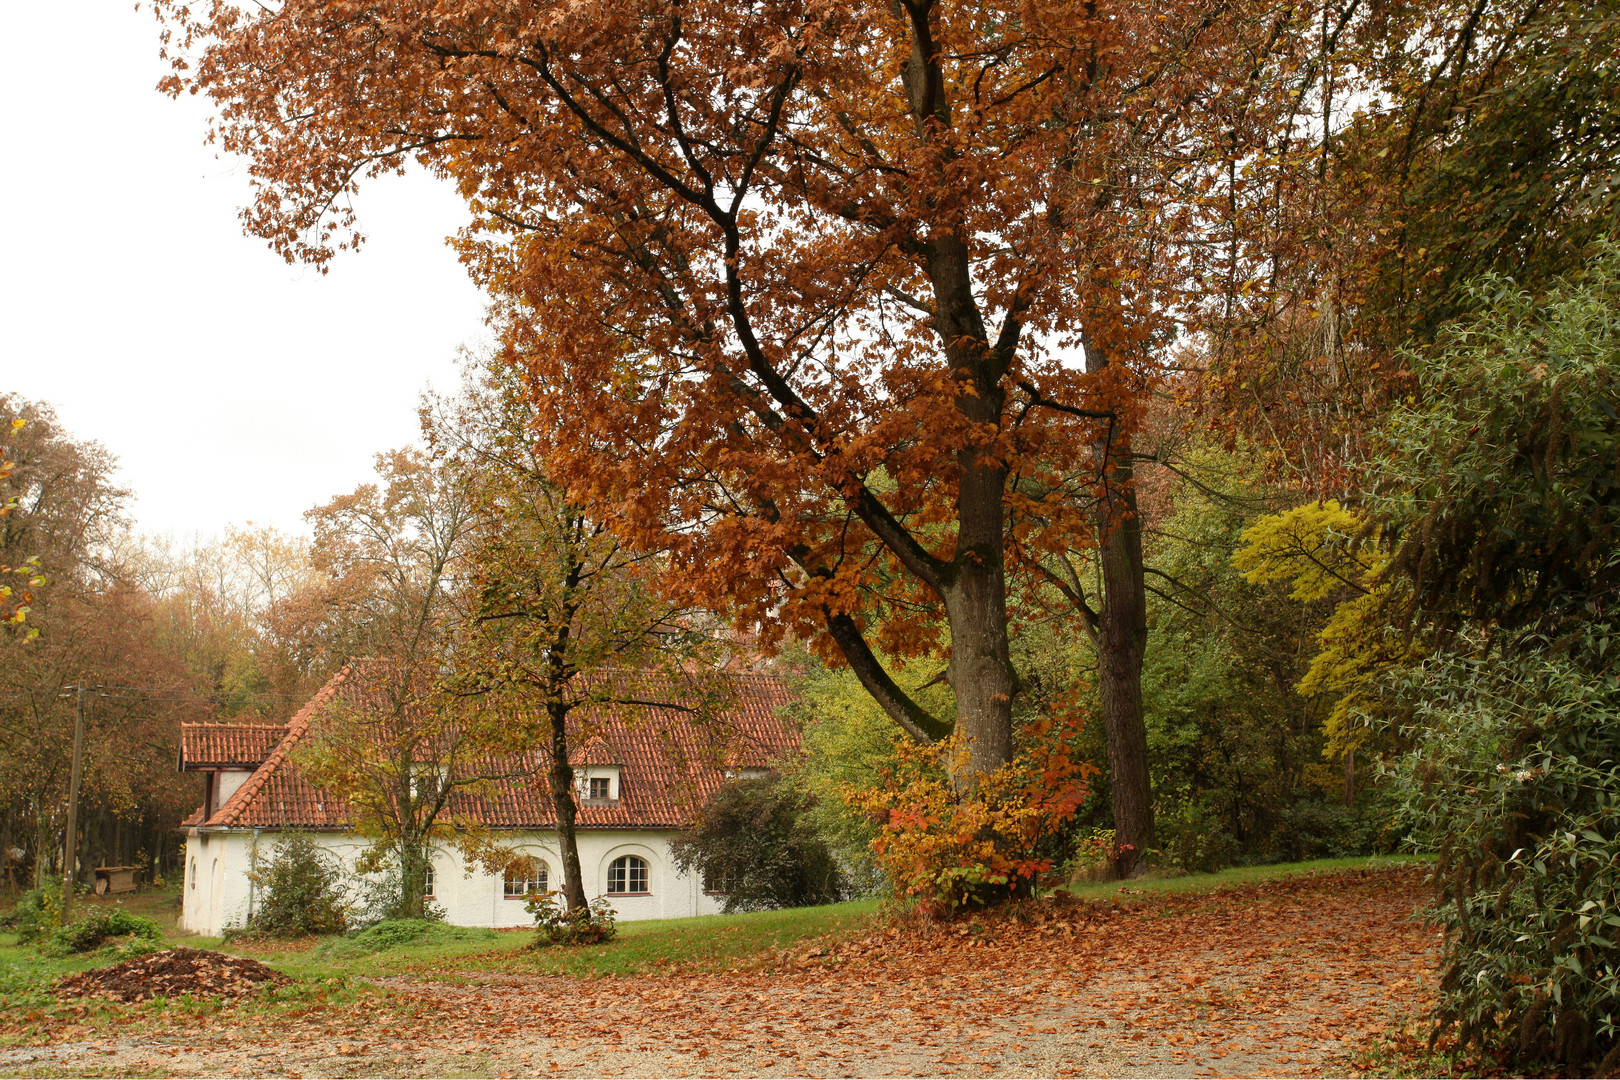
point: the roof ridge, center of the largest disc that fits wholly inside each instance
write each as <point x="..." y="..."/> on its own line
<point x="227" y="723"/>
<point x="593" y="745"/>
<point x="296" y="727"/>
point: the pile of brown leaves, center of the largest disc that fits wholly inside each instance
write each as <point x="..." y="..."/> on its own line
<point x="170" y="973"/>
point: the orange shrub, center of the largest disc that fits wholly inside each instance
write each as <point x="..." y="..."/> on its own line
<point x="978" y="846"/>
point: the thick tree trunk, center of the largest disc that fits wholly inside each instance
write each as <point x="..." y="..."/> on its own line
<point x="413" y="868"/>
<point x="974" y="586"/>
<point x="566" y="810"/>
<point x="981" y="670"/>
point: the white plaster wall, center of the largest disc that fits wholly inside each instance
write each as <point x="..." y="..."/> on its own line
<point x="469" y="896"/>
<point x="216" y="889"/>
<point x="226" y="784"/>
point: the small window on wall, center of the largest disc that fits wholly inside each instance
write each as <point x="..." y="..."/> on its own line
<point x="524" y="877"/>
<point x="627" y="874"/>
<point x="599" y="787"/>
<point x="193" y="873"/>
<point x="431" y="881"/>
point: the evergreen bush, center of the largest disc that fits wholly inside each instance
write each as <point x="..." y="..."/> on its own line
<point x="303" y="890"/>
<point x="98" y="928"/>
<point x="1503" y="489"/>
<point x="37" y="915"/>
<point x="754" y="844"/>
<point x="1515" y="779"/>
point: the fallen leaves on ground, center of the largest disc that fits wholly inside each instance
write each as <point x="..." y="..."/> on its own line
<point x="170" y="973"/>
<point x="1285" y="978"/>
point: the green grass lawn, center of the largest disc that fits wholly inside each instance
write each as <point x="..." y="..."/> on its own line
<point x="1241" y="875"/>
<point x="703" y="943"/>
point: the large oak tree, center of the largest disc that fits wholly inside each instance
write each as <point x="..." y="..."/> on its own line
<point x="852" y="307"/>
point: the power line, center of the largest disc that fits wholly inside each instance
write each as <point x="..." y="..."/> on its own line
<point x="154" y="692"/>
<point x="209" y="694"/>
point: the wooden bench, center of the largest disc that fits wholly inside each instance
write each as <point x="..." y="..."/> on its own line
<point x="117" y="879"/>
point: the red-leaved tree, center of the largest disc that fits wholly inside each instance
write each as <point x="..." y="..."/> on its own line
<point x="852" y="308"/>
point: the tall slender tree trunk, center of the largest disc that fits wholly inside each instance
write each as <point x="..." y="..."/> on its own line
<point x="42" y="846"/>
<point x="1122" y="638"/>
<point x="566" y="808"/>
<point x="1122" y="643"/>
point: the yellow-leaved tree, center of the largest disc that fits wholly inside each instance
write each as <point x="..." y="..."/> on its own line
<point x="1334" y="553"/>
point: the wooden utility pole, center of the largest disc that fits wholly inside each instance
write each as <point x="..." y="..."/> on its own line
<point x="70" y="844"/>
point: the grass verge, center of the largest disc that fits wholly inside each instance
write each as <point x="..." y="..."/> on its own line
<point x="705" y="943"/>
<point x="1240" y="875"/>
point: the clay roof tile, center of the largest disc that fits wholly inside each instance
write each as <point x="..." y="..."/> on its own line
<point x="671" y="762"/>
<point x="227" y="746"/>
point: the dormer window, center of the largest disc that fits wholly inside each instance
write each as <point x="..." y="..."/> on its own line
<point x="427" y="780"/>
<point x="597" y="772"/>
<point x="598" y="784"/>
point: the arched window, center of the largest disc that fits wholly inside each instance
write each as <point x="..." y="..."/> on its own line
<point x="427" y="889"/>
<point x="526" y="876"/>
<point x="193" y="873"/>
<point x="627" y="874"/>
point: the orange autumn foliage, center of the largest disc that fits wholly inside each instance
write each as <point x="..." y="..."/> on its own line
<point x="971" y="848"/>
<point x="852" y="309"/>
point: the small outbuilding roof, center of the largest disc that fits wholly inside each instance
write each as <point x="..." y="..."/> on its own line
<point x="228" y="746"/>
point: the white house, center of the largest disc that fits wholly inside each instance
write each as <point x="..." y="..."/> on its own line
<point x="641" y="776"/>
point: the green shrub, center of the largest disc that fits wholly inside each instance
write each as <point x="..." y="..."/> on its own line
<point x="38" y="914"/>
<point x="1501" y="488"/>
<point x="1193" y="835"/>
<point x="393" y="934"/>
<point x="380" y="897"/>
<point x="97" y="929"/>
<point x="754" y="844"/>
<point x="303" y="890"/>
<point x="554" y="924"/>
<point x="1515" y="779"/>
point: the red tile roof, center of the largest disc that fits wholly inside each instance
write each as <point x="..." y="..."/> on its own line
<point x="594" y="752"/>
<point x="228" y="746"/>
<point x="671" y="763"/>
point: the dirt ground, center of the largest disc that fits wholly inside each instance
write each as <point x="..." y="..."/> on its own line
<point x="1284" y="979"/>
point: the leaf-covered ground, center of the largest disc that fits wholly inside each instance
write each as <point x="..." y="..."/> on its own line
<point x="1289" y="977"/>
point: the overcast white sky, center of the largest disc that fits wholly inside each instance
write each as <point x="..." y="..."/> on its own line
<point x="232" y="387"/>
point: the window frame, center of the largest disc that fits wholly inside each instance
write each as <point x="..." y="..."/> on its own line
<point x="627" y="876"/>
<point x="712" y="885"/>
<point x="539" y="867"/>
<point x="604" y="783"/>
